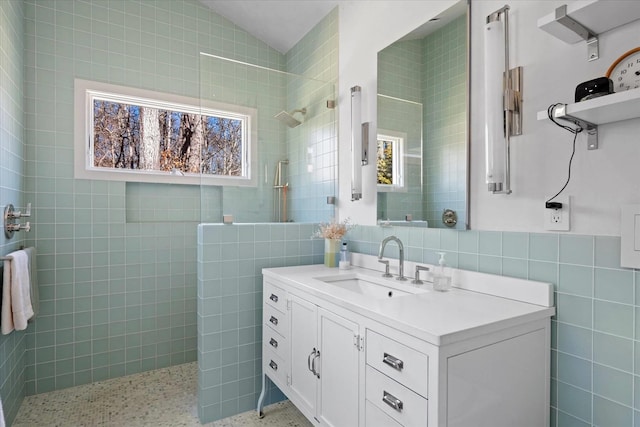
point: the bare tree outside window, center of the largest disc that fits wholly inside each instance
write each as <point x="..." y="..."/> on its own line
<point x="139" y="137"/>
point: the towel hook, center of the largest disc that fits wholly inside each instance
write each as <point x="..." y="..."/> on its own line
<point x="9" y="219"/>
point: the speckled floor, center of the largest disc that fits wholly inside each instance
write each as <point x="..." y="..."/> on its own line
<point x="164" y="397"/>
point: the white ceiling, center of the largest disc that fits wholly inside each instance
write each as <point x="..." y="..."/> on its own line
<point x="278" y="23"/>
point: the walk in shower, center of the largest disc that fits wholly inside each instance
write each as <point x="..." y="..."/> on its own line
<point x="292" y="157"/>
<point x="286" y="152"/>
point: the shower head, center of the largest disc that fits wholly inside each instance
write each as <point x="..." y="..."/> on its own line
<point x="288" y="119"/>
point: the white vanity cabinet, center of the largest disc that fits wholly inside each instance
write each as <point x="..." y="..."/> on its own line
<point x="319" y="371"/>
<point x="456" y="359"/>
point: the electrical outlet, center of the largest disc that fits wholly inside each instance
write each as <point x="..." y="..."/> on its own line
<point x="558" y="219"/>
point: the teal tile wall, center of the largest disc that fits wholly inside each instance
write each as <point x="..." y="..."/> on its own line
<point x="400" y="70"/>
<point x="230" y="263"/>
<point x="444" y="88"/>
<point x="12" y="346"/>
<point x="178" y="203"/>
<point x="312" y="147"/>
<point x="118" y="286"/>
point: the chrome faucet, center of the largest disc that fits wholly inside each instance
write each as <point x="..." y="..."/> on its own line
<point x="401" y="260"/>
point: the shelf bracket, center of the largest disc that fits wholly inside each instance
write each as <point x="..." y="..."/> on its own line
<point x="590" y="128"/>
<point x="582" y="31"/>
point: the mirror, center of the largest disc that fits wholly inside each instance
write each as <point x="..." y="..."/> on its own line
<point x="423" y="124"/>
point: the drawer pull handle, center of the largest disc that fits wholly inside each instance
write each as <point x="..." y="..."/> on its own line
<point x="394" y="362"/>
<point x="274" y="366"/>
<point x="274" y="320"/>
<point x="274" y="297"/>
<point x="273" y="343"/>
<point x="392" y="401"/>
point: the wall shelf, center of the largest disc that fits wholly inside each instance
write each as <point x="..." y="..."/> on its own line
<point x="612" y="108"/>
<point x="586" y="19"/>
<point x="598" y="16"/>
<point x="605" y="109"/>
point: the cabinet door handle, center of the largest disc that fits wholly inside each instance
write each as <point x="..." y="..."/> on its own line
<point x="392" y="401"/>
<point x="274" y="297"/>
<point x="274" y="320"/>
<point x="273" y="365"/>
<point x="273" y="343"/>
<point x="313" y="353"/>
<point x="313" y="364"/>
<point x="394" y="362"/>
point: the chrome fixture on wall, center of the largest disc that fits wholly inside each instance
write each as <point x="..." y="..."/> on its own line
<point x="359" y="143"/>
<point x="288" y="119"/>
<point x="503" y="101"/>
<point x="10" y="217"/>
<point x="280" y="187"/>
<point x="449" y="218"/>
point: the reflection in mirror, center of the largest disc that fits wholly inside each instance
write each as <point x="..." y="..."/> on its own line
<point x="422" y="144"/>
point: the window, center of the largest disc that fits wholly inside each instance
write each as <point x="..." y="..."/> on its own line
<point x="390" y="164"/>
<point x="135" y="135"/>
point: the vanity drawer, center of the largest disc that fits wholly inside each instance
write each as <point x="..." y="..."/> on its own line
<point x="402" y="363"/>
<point x="374" y="417"/>
<point x="276" y="320"/>
<point x="274" y="296"/>
<point x="274" y="342"/>
<point x="274" y="366"/>
<point x="395" y="400"/>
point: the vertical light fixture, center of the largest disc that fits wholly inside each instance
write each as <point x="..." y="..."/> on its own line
<point x="502" y="102"/>
<point x="359" y="132"/>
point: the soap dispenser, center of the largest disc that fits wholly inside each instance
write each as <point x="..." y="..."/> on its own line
<point x="345" y="257"/>
<point x="441" y="275"/>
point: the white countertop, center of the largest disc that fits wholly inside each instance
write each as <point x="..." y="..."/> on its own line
<point x="439" y="318"/>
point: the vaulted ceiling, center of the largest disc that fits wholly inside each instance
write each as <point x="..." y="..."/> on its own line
<point x="278" y="23"/>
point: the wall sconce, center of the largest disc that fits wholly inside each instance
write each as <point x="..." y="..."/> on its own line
<point x="503" y="101"/>
<point x="359" y="143"/>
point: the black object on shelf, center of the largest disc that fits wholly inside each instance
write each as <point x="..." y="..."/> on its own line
<point x="594" y="88"/>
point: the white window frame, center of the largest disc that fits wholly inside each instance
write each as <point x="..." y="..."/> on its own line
<point x="86" y="91"/>
<point x="398" y="141"/>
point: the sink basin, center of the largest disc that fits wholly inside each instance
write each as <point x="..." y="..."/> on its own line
<point x="369" y="286"/>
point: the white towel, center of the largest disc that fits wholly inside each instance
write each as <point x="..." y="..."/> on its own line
<point x="16" y="295"/>
<point x="33" y="279"/>
<point x="6" y="316"/>
<point x="1" y="415"/>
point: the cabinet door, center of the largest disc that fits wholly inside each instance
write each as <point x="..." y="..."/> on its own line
<point x="303" y="340"/>
<point x="501" y="384"/>
<point x="338" y="400"/>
